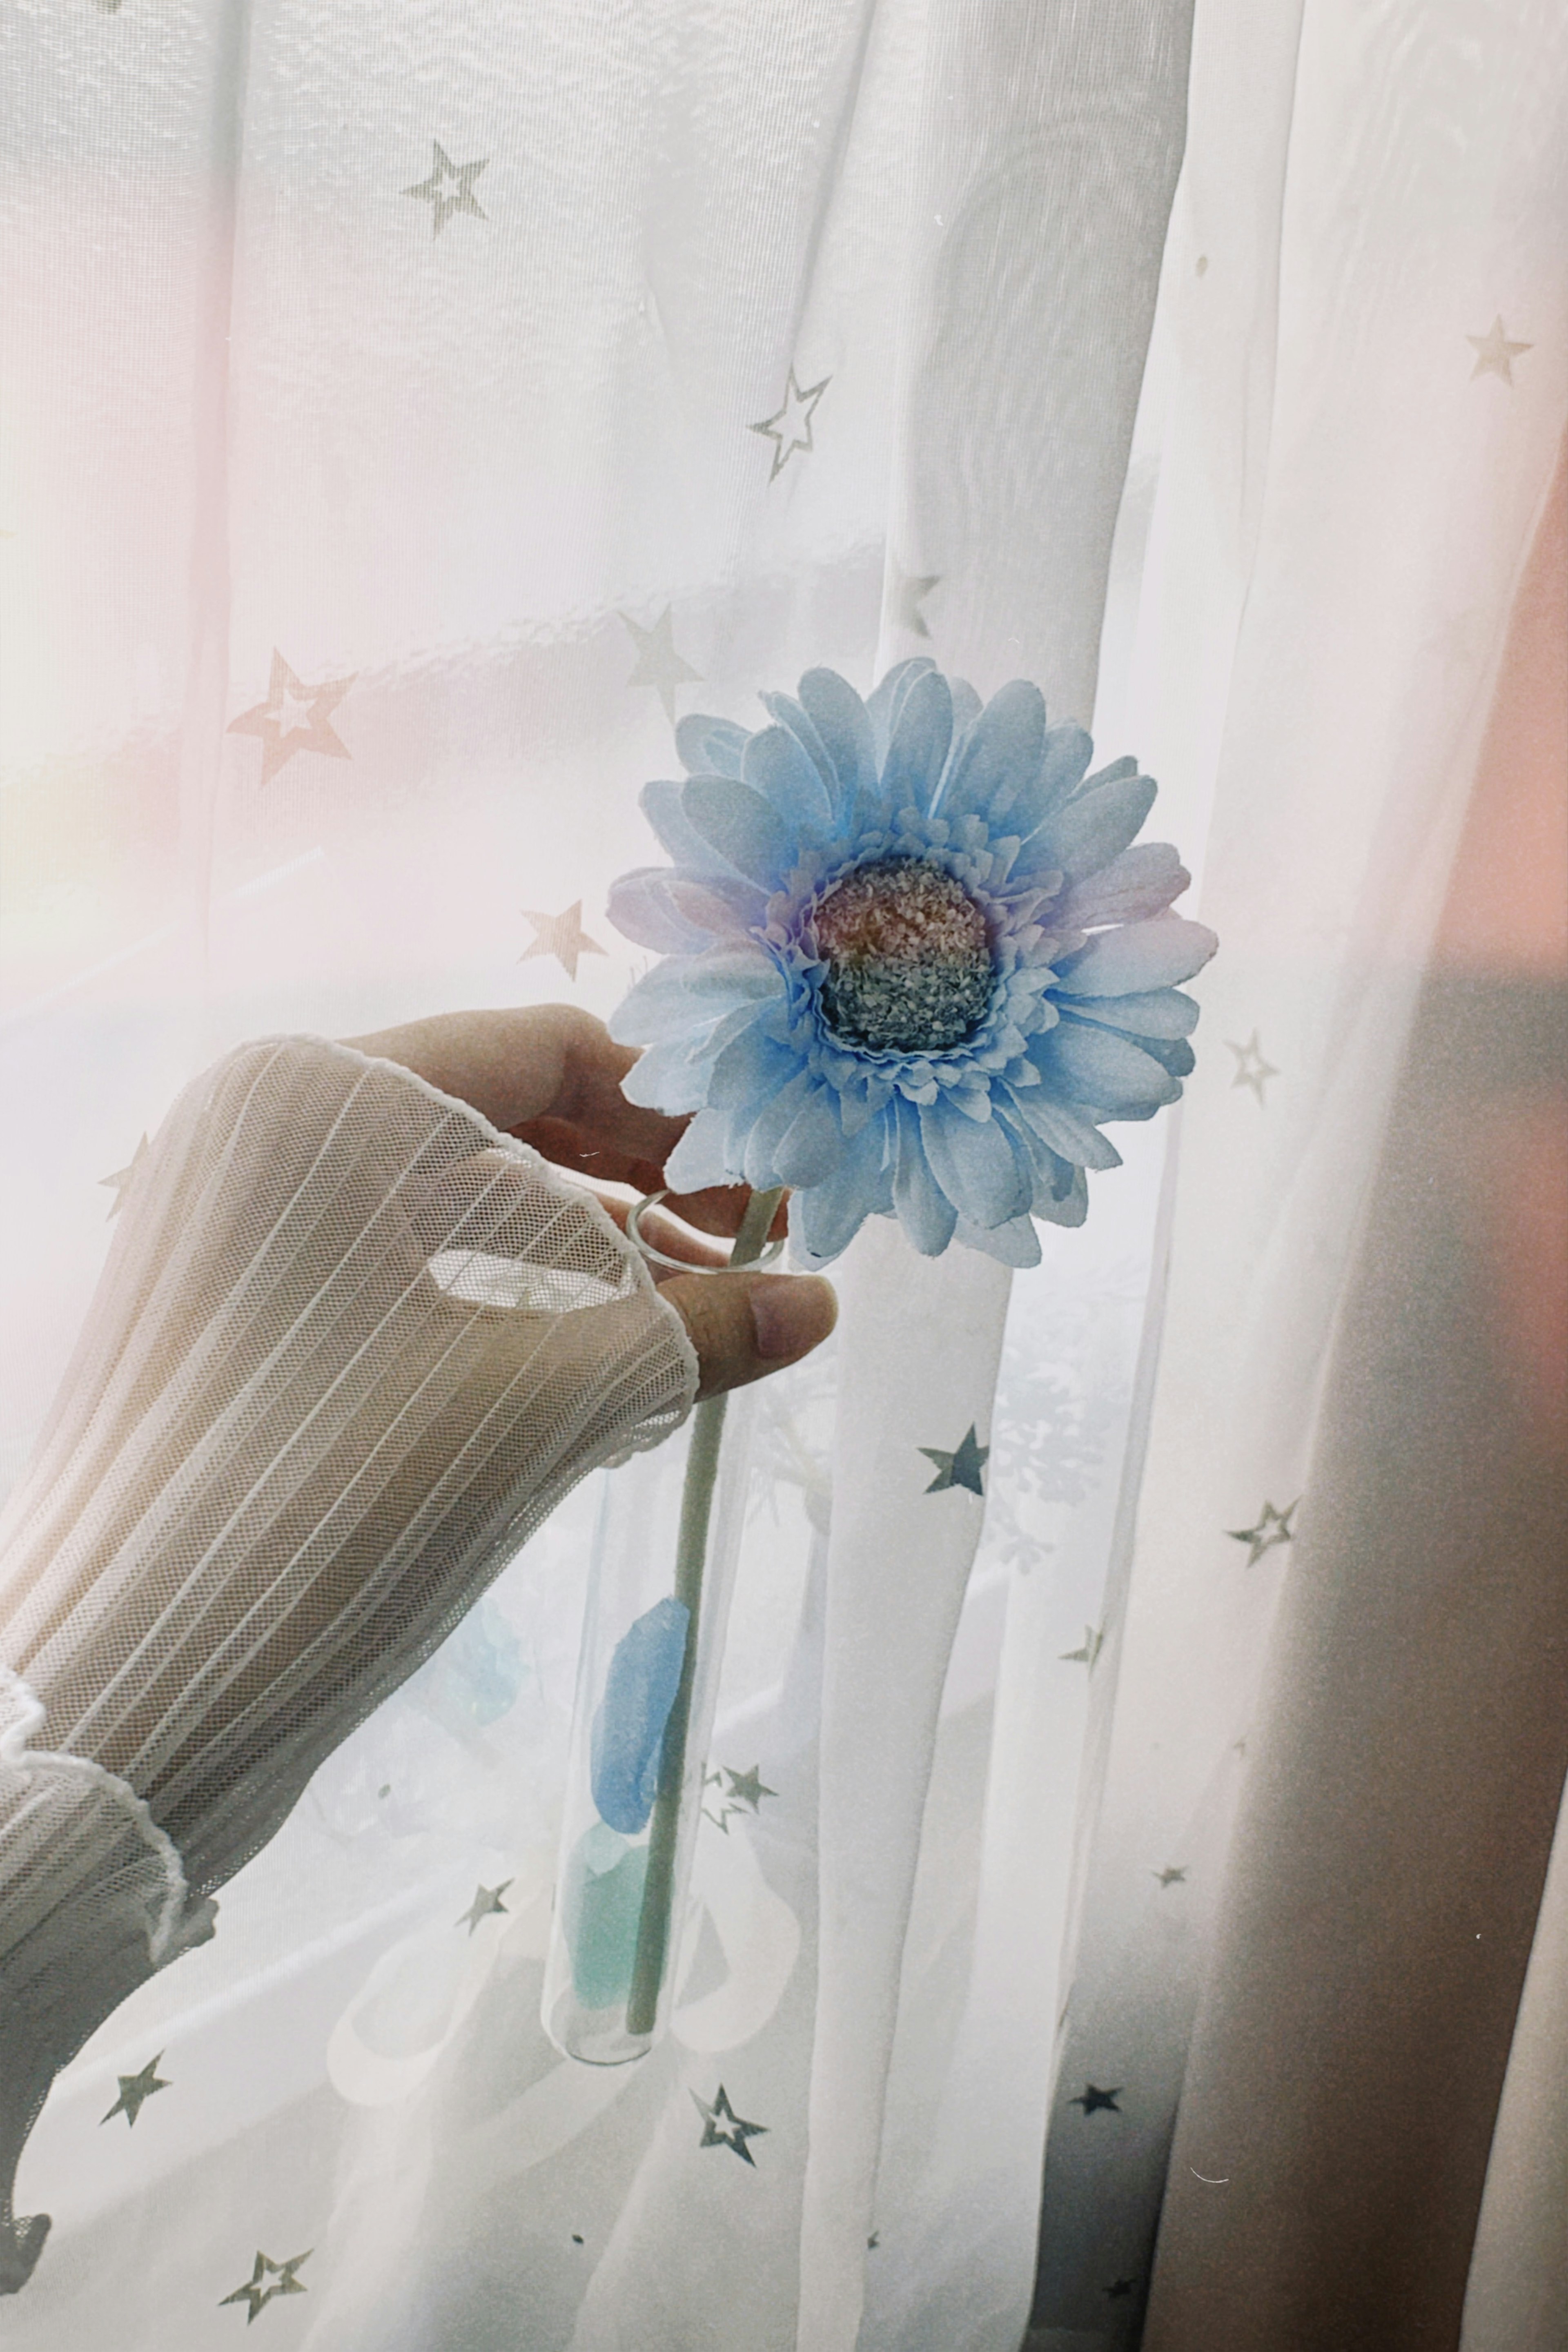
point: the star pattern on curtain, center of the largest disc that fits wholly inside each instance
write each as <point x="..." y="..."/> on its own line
<point x="1094" y="2101"/>
<point x="1251" y="1069"/>
<point x="744" y="1794"/>
<point x="789" y="429"/>
<point x="120" y="1181"/>
<point x="963" y="1467"/>
<point x="449" y="188"/>
<point x="658" y="663"/>
<point x="561" y="936"/>
<point x="1174" y="1874"/>
<point x="1088" y="1648"/>
<point x="269" y="2279"/>
<point x="1272" y="1527"/>
<point x="722" y="2127"/>
<point x="1119" y="2289"/>
<point x="1495" y="356"/>
<point x="135" y="2090"/>
<point x="486" y="1904"/>
<point x="294" y="718"/>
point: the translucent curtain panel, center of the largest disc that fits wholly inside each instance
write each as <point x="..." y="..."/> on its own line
<point x="405" y="416"/>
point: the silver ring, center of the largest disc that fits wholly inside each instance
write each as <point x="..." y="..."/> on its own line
<point x="770" y="1255"/>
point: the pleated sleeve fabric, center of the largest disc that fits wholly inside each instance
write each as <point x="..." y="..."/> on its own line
<point x="352" y="1345"/>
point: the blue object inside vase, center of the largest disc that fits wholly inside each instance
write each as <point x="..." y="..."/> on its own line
<point x="628" y="1745"/>
<point x="603" y="1911"/>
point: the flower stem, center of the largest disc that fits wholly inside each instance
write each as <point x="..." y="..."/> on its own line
<point x="690" y="1558"/>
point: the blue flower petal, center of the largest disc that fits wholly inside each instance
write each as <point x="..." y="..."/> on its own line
<point x="719" y="903"/>
<point x="1143" y="881"/>
<point x="975" y="1162"/>
<point x="778" y="769"/>
<point x="1161" y="1013"/>
<point x="745" y="829"/>
<point x="1063" y="1129"/>
<point x="1000" y="759"/>
<point x="926" y="1213"/>
<point x="710" y="747"/>
<point x="660" y="803"/>
<point x="642" y="907"/>
<point x="1065" y="756"/>
<point x="751" y="1069"/>
<point x="843" y="728"/>
<point x="669" y="1077"/>
<point x="1014" y="1243"/>
<point x="827" y="1218"/>
<point x="1173" y="1054"/>
<point x="1064" y="761"/>
<point x="966" y="707"/>
<point x="1068" y="1204"/>
<point x="786" y="712"/>
<point x="1101" y="1068"/>
<point x="770" y="1127"/>
<point x="885" y="699"/>
<point x="813" y="1145"/>
<point x="626" y="1745"/>
<point x="917" y="753"/>
<point x="679" y="995"/>
<point x="1090" y="829"/>
<point x="701" y="1157"/>
<point x="1137" y="957"/>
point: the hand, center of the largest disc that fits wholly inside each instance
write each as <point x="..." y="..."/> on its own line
<point x="551" y="1077"/>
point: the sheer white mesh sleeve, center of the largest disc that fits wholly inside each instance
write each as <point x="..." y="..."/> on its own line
<point x="350" y="1347"/>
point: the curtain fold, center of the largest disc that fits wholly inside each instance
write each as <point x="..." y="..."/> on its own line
<point x="1396" y="505"/>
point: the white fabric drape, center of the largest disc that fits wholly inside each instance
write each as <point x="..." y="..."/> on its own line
<point x="407" y="414"/>
<point x="1342" y="516"/>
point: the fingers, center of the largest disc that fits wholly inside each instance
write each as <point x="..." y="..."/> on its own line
<point x="540" y="1062"/>
<point x="551" y="1074"/>
<point x="745" y="1324"/>
<point x="673" y="1239"/>
<point x="721" y="1207"/>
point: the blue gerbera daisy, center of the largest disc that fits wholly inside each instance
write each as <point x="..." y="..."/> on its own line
<point x="911" y="961"/>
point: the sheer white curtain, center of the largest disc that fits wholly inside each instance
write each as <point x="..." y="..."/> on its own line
<point x="408" y="412"/>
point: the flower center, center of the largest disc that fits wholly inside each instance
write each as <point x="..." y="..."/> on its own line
<point x="907" y="955"/>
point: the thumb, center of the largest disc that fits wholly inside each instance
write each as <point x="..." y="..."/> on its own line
<point x="744" y="1325"/>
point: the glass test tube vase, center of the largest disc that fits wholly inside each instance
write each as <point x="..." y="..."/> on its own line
<point x="663" y="1571"/>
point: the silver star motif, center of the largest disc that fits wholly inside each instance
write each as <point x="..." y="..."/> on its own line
<point x="1273" y="1528"/>
<point x="449" y="188"/>
<point x="789" y="428"/>
<point x="563" y="936"/>
<point x="1091" y="2098"/>
<point x="267" y="2279"/>
<point x="1495" y="356"/>
<point x="658" y="663"/>
<point x="747" y="1788"/>
<point x="120" y="1183"/>
<point x="486" y="1902"/>
<point x="722" y="2127"/>
<point x="1093" y="1643"/>
<point x="1171" y="1877"/>
<point x="1251" y="1069"/>
<point x="962" y="1467"/>
<point x="135" y="2090"/>
<point x="905" y="593"/>
<point x="294" y="718"/>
